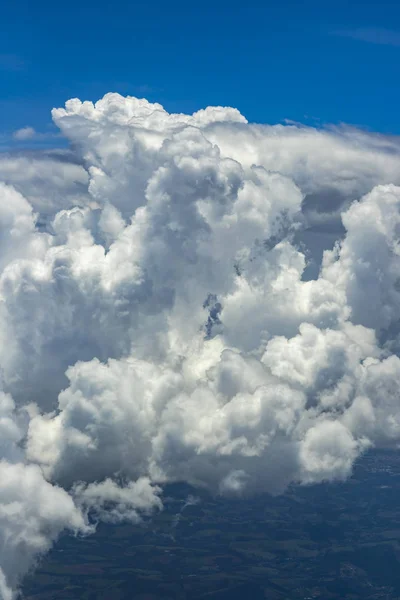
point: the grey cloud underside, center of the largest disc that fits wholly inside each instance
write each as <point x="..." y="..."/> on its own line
<point x="189" y="298"/>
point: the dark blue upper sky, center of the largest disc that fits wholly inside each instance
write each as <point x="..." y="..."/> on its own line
<point x="325" y="61"/>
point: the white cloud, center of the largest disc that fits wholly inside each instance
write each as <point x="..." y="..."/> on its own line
<point x="25" y="133"/>
<point x="156" y="323"/>
<point x="33" y="512"/>
<point x="128" y="502"/>
<point x="50" y="181"/>
<point x="29" y="134"/>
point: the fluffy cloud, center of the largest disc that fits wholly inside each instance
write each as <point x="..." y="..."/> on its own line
<point x="159" y="320"/>
<point x="33" y="512"/>
<point x="25" y="133"/>
<point x="50" y="181"/>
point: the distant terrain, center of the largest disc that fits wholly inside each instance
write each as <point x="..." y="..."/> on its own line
<point x="331" y="541"/>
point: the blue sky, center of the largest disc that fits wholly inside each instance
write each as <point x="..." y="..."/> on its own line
<point x="314" y="62"/>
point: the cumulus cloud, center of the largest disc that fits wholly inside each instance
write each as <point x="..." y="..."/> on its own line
<point x="33" y="511"/>
<point x="49" y="180"/>
<point x="159" y="321"/>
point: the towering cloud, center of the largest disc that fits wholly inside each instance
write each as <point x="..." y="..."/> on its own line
<point x="167" y="314"/>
